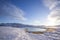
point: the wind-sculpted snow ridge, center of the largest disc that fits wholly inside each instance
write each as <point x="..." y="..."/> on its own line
<point x="54" y="35"/>
<point x="10" y="33"/>
<point x="47" y="35"/>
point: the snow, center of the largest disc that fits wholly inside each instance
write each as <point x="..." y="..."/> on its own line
<point x="10" y="33"/>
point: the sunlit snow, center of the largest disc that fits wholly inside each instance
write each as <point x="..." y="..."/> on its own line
<point x="10" y="33"/>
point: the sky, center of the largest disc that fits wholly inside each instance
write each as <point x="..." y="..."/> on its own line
<point x="32" y="12"/>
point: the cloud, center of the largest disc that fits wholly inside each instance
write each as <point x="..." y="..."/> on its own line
<point x="51" y="3"/>
<point x="54" y="16"/>
<point x="10" y="10"/>
<point x="54" y="7"/>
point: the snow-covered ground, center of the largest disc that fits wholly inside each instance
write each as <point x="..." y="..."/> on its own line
<point x="10" y="33"/>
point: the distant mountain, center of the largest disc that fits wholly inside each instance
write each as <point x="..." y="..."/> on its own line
<point x="15" y="25"/>
<point x="19" y="25"/>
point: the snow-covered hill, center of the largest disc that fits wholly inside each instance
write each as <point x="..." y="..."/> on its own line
<point x="10" y="33"/>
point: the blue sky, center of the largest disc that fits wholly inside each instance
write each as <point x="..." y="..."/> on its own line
<point x="32" y="12"/>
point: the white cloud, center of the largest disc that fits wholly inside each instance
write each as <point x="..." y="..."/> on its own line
<point x="51" y="3"/>
<point x="54" y="16"/>
<point x="7" y="9"/>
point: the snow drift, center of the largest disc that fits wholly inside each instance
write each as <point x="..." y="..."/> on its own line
<point x="11" y="33"/>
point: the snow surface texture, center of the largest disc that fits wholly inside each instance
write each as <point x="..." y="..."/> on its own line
<point x="10" y="33"/>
